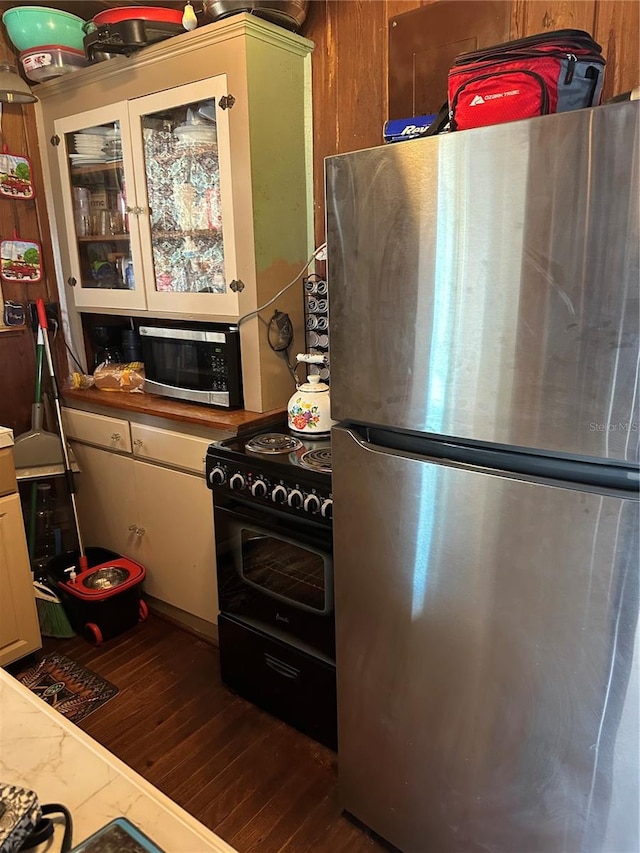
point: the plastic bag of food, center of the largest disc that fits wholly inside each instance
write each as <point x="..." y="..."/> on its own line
<point x="119" y="377"/>
<point x="80" y="381"/>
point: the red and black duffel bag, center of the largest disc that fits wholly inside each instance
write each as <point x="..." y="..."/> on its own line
<point x="549" y="72"/>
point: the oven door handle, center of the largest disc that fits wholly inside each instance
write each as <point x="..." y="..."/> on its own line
<point x="308" y="533"/>
<point x="281" y="667"/>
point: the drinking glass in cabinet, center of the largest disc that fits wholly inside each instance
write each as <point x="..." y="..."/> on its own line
<point x="183" y="188"/>
<point x="100" y="206"/>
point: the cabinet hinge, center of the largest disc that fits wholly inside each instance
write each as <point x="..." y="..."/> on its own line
<point x="226" y="102"/>
<point x="55" y="140"/>
<point x="237" y="286"/>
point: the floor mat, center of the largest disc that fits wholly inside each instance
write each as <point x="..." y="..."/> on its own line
<point x="68" y="687"/>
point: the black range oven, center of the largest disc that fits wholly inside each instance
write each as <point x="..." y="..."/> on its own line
<point x="273" y="527"/>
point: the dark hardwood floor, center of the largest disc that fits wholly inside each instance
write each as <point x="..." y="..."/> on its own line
<point x="253" y="780"/>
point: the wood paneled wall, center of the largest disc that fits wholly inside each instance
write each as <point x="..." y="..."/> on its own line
<point x="29" y="219"/>
<point x="350" y="63"/>
<point x="350" y="106"/>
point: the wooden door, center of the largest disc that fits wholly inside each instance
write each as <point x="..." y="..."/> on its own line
<point x="19" y="630"/>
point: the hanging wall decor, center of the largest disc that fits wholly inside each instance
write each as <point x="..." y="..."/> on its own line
<point x="15" y="176"/>
<point x="21" y="260"/>
<point x="14" y="313"/>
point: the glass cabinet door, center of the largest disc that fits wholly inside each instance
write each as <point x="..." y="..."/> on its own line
<point x="95" y="164"/>
<point x="183" y="187"/>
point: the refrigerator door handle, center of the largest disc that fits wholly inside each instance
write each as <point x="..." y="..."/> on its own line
<point x="500" y="460"/>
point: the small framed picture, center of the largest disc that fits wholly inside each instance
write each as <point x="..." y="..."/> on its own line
<point x="21" y="260"/>
<point x="15" y="176"/>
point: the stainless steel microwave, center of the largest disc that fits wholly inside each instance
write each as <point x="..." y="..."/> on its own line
<point x="199" y="362"/>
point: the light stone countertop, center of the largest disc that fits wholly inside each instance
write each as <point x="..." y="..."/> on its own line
<point x="44" y="752"/>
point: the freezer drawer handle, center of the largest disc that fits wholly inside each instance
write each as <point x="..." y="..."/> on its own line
<point x="281" y="667"/>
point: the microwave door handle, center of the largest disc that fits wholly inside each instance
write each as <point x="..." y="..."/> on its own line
<point x="183" y="334"/>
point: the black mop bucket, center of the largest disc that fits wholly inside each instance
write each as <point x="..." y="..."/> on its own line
<point x="103" y="600"/>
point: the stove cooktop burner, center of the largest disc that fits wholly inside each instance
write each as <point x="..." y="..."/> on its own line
<point x="317" y="460"/>
<point x="273" y="442"/>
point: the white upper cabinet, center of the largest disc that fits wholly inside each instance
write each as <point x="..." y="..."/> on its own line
<point x="95" y="160"/>
<point x="183" y="186"/>
<point x="181" y="176"/>
<point x="148" y="202"/>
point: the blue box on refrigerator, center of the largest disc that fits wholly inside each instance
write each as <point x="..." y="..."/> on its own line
<point x="399" y="129"/>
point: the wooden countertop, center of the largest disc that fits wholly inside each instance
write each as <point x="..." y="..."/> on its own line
<point x="235" y="421"/>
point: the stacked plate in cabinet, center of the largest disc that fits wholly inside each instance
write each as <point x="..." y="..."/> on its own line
<point x="196" y="134"/>
<point x="90" y="145"/>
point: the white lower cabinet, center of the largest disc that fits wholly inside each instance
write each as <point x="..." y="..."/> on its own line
<point x="106" y="498"/>
<point x="156" y="515"/>
<point x="176" y="539"/>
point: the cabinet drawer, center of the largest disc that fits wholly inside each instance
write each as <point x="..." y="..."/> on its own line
<point x="173" y="448"/>
<point x="111" y="433"/>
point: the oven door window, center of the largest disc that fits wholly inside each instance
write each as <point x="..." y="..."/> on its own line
<point x="284" y="569"/>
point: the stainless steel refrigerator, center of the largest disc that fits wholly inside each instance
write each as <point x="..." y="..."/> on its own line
<point x="484" y="302"/>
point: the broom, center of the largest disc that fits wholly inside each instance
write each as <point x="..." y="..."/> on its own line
<point x="51" y="614"/>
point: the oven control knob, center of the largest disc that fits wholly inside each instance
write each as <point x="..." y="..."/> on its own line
<point x="218" y="476"/>
<point x="326" y="510"/>
<point x="259" y="489"/>
<point x="279" y="495"/>
<point x="295" y="499"/>
<point x="237" y="482"/>
<point x="312" y="503"/>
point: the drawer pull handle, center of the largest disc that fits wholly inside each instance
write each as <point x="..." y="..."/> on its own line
<point x="281" y="667"/>
<point x="140" y="531"/>
<point x="137" y="442"/>
<point x="115" y="437"/>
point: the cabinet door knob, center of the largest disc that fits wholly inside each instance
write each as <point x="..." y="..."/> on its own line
<point x="140" y="531"/>
<point x="115" y="437"/>
<point x="137" y="442"/>
<point x="133" y="528"/>
<point x="71" y="281"/>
